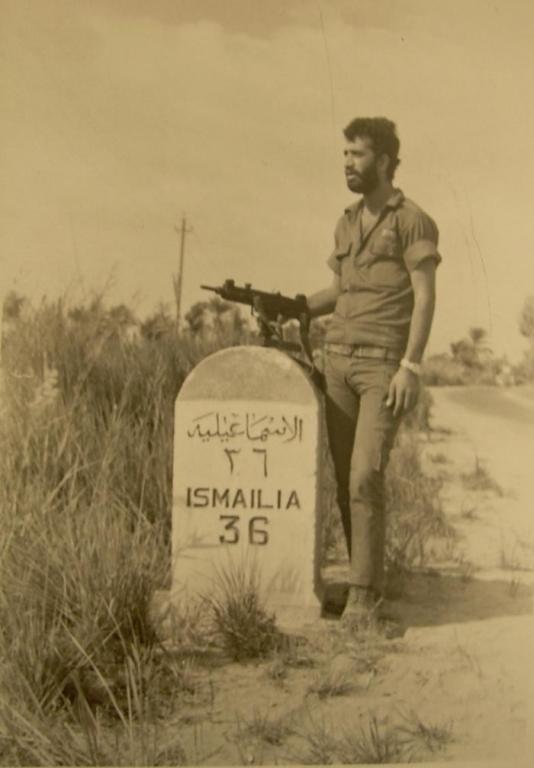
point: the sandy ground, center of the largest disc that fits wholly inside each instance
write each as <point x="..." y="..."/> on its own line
<point x="465" y="661"/>
<point x="494" y="427"/>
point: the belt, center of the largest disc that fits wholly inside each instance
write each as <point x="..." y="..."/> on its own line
<point x="359" y="350"/>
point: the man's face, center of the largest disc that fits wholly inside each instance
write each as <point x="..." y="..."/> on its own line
<point x="361" y="170"/>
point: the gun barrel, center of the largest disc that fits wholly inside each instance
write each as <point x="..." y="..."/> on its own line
<point x="210" y="288"/>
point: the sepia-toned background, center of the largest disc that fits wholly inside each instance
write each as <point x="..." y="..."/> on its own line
<point x="121" y="119"/>
<point x="120" y="116"/>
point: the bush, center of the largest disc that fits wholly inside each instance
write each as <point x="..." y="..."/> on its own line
<point x="442" y="370"/>
<point x="241" y="622"/>
<point x="85" y="501"/>
<point x="416" y="522"/>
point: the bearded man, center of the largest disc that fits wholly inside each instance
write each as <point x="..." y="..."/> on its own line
<point x="382" y="297"/>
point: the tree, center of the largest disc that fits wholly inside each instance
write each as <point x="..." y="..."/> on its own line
<point x="464" y="352"/>
<point x="214" y="316"/>
<point x="158" y="324"/>
<point x="13" y="304"/>
<point x="473" y="351"/>
<point x="526" y="319"/>
<point x="478" y="336"/>
<point x="525" y="369"/>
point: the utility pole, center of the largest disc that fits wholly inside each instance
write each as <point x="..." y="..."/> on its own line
<point x="177" y="280"/>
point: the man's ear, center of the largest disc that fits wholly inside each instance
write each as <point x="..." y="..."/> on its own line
<point x="383" y="164"/>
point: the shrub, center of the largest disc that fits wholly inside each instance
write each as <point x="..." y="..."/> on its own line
<point x="415" y="517"/>
<point x="241" y="622"/>
<point x="373" y="743"/>
<point x="420" y="737"/>
<point x="479" y="479"/>
<point x="442" y="370"/>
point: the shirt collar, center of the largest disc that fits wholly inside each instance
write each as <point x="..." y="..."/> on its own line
<point x="394" y="200"/>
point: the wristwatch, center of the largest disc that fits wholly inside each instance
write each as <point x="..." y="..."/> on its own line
<point x="413" y="367"/>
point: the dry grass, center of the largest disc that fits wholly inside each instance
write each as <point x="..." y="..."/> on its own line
<point x="330" y="681"/>
<point x="85" y="500"/>
<point x="373" y="741"/>
<point x="320" y="745"/>
<point x="241" y="623"/>
<point x="85" y="490"/>
<point x="419" y="737"/>
<point x="417" y="526"/>
<point x="264" y="728"/>
<point x="290" y="655"/>
<point x="479" y="479"/>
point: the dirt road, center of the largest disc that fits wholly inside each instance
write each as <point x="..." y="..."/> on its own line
<point x="491" y="430"/>
<point x="481" y="640"/>
<point x="466" y="658"/>
<point x="462" y="673"/>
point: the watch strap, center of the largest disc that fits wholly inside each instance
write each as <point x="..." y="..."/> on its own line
<point x="413" y="367"/>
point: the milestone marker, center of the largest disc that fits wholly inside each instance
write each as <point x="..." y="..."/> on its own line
<point x="246" y="480"/>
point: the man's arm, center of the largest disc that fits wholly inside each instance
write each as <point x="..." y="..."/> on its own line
<point x="324" y="302"/>
<point x="404" y="386"/>
<point x="424" y="290"/>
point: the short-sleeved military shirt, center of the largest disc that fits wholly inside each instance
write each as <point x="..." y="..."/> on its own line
<point x="376" y="301"/>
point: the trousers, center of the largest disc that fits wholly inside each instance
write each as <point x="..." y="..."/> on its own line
<point x="361" y="431"/>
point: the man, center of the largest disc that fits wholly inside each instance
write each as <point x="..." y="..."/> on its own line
<point x="382" y="296"/>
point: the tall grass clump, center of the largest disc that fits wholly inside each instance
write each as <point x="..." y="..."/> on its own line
<point x="85" y="498"/>
<point x="245" y="629"/>
<point x="373" y="743"/>
<point x="417" y="528"/>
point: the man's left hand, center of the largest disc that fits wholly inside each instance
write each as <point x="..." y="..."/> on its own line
<point x="403" y="391"/>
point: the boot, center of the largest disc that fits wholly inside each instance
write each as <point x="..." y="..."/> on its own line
<point x="359" y="606"/>
<point x="363" y="612"/>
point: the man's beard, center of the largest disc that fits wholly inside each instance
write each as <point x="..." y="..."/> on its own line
<point x="364" y="183"/>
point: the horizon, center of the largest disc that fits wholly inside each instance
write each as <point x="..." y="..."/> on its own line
<point x="120" y="119"/>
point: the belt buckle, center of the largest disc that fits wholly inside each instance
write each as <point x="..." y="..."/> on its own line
<point x="362" y="351"/>
<point x="373" y="353"/>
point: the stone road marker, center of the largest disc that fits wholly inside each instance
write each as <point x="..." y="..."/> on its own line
<point x="246" y="479"/>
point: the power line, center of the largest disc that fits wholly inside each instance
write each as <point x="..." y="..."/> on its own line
<point x="177" y="279"/>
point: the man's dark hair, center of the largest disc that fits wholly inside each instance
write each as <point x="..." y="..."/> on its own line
<point x="383" y="135"/>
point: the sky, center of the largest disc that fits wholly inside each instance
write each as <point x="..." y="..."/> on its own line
<point x="120" y="117"/>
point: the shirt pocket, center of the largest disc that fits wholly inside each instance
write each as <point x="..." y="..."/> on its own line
<point x="386" y="267"/>
<point x="340" y="256"/>
<point x="386" y="244"/>
<point x="342" y="250"/>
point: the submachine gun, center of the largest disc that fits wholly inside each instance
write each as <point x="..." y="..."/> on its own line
<point x="268" y="309"/>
